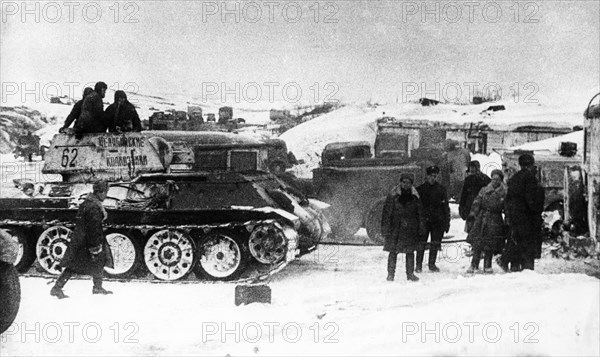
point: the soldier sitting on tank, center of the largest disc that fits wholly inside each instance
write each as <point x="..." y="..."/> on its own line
<point x="75" y="112"/>
<point x="91" y="119"/>
<point x="121" y="116"/>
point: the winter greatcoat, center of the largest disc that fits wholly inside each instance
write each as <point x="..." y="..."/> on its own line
<point x="488" y="232"/>
<point x="88" y="234"/>
<point x="473" y="184"/>
<point x="524" y="206"/>
<point x="123" y="116"/>
<point x="436" y="210"/>
<point x="402" y="222"/>
<point x="91" y="119"/>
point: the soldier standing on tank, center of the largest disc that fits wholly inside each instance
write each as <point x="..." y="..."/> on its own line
<point x="88" y="251"/>
<point x="437" y="217"/>
<point x="91" y="119"/>
<point x="524" y="206"/>
<point x="402" y="224"/>
<point x="76" y="111"/>
<point x="473" y="184"/>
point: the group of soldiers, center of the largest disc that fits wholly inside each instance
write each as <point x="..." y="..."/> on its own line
<point x="90" y="117"/>
<point x="500" y="218"/>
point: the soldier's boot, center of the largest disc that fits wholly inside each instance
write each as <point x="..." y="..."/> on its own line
<point x="502" y="263"/>
<point x="432" y="258"/>
<point x="487" y="263"/>
<point x="391" y="267"/>
<point x="410" y="267"/>
<point x="420" y="255"/>
<point x="98" y="289"/>
<point x="60" y="283"/>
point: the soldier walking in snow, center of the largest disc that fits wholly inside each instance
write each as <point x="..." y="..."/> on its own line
<point x="402" y="225"/>
<point x="437" y="216"/>
<point x="88" y="251"/>
<point x="524" y="206"/>
<point x="473" y="184"/>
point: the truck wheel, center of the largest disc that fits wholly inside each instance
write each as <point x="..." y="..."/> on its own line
<point x="343" y="228"/>
<point x="10" y="295"/>
<point x="373" y="222"/>
<point x="169" y="254"/>
<point x="127" y="255"/>
<point x="221" y="256"/>
<point x="51" y="247"/>
<point x="26" y="252"/>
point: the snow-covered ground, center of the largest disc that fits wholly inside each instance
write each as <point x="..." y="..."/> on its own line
<point x="334" y="301"/>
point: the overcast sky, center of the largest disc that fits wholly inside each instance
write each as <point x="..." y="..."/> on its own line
<point x="353" y="50"/>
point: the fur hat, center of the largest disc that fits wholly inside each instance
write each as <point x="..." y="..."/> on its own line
<point x="526" y="160"/>
<point x="406" y="176"/>
<point x="120" y="94"/>
<point x="432" y="170"/>
<point x="499" y="173"/>
<point x="100" y="186"/>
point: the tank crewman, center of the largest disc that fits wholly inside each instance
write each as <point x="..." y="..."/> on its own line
<point x="121" y="116"/>
<point x="76" y="111"/>
<point x="91" y="119"/>
<point x="437" y="217"/>
<point x="402" y="225"/>
<point x="474" y="182"/>
<point x="457" y="160"/>
<point x="524" y="206"/>
<point x="88" y="251"/>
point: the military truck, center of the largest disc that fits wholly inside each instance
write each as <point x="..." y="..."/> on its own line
<point x="355" y="182"/>
<point x="178" y="202"/>
<point x="582" y="181"/>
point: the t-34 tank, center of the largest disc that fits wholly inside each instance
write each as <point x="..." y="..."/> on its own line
<point x="178" y="202"/>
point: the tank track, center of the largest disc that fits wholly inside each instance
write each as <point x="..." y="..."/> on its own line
<point x="255" y="272"/>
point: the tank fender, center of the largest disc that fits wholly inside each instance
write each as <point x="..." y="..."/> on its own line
<point x="293" y="219"/>
<point x="163" y="150"/>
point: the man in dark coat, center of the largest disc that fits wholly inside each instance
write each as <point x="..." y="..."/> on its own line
<point x="88" y="251"/>
<point x="121" y="116"/>
<point x="402" y="225"/>
<point x="76" y="111"/>
<point x="473" y="183"/>
<point x="91" y="119"/>
<point x="524" y="206"/>
<point x="437" y="217"/>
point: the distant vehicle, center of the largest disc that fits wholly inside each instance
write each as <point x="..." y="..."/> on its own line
<point x="355" y="183"/>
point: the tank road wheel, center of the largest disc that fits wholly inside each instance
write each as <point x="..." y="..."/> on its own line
<point x="51" y="247"/>
<point x="267" y="244"/>
<point x="373" y="222"/>
<point x="127" y="255"/>
<point x="169" y="254"/>
<point x="26" y="252"/>
<point x="221" y="256"/>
